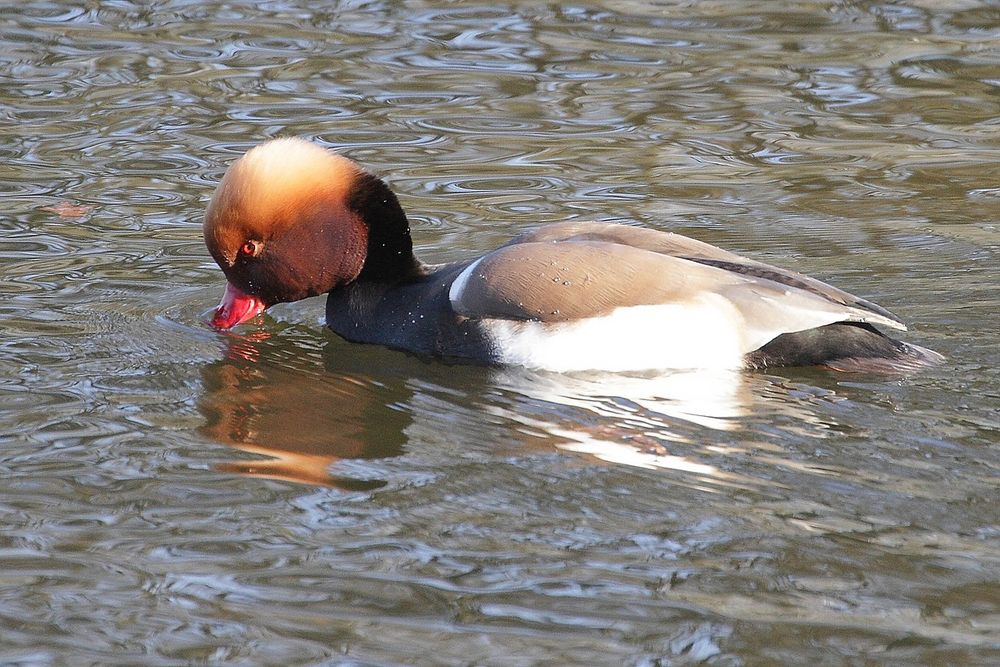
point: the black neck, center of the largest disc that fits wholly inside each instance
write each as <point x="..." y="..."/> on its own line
<point x="390" y="248"/>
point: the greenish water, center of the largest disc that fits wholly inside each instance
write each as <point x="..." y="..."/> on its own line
<point x="171" y="495"/>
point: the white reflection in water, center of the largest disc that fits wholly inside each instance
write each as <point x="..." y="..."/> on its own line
<point x="710" y="398"/>
<point x="637" y="412"/>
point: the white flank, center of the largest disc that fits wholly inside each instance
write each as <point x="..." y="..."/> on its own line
<point x="702" y="333"/>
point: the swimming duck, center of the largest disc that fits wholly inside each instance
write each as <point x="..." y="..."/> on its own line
<point x="291" y="219"/>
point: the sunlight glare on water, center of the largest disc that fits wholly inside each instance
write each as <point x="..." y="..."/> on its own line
<point x="275" y="495"/>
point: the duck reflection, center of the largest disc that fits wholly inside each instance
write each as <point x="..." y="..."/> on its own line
<point x="304" y="405"/>
<point x="710" y="429"/>
<point x="300" y="422"/>
<point x="639" y="418"/>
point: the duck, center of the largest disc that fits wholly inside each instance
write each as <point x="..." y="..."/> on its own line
<point x="291" y="219"/>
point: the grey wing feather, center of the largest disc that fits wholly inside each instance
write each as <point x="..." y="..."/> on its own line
<point x="683" y="247"/>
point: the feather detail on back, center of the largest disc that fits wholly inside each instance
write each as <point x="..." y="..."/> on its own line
<point x="574" y="272"/>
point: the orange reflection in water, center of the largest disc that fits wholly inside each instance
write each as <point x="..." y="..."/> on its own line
<point x="299" y="423"/>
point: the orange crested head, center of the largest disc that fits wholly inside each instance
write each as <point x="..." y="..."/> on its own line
<point x="284" y="225"/>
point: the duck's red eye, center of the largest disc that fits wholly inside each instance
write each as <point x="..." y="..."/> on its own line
<point x="250" y="248"/>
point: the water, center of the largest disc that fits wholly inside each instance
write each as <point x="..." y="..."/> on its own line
<point x="172" y="495"/>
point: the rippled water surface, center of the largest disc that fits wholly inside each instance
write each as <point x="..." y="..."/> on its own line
<point x="172" y="495"/>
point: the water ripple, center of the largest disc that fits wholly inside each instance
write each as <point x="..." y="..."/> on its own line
<point x="384" y="506"/>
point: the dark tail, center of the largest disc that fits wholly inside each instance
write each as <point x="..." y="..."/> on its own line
<point x="845" y="346"/>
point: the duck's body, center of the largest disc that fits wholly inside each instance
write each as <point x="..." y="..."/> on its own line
<point x="292" y="220"/>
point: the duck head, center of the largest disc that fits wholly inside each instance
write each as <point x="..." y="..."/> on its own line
<point x="291" y="219"/>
